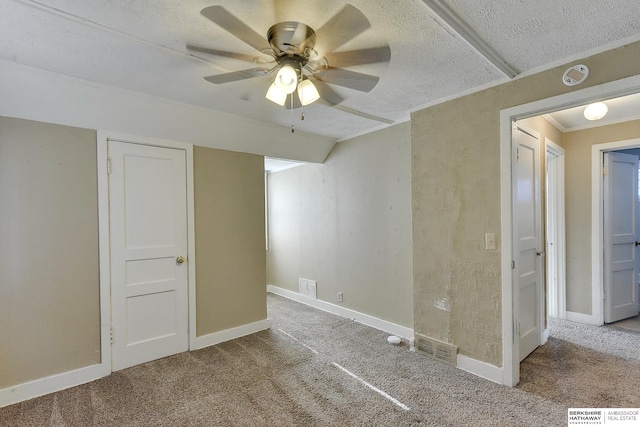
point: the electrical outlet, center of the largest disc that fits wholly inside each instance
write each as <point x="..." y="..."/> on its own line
<point x="340" y="297"/>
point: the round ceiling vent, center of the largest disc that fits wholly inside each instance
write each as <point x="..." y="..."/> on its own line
<point x="575" y="75"/>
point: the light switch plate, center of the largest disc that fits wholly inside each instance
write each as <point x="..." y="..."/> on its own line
<point x="490" y="241"/>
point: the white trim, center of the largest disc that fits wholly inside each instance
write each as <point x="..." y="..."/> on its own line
<point x="626" y="86"/>
<point x="510" y="367"/>
<point x="103" y="225"/>
<point x="554" y="122"/>
<point x="51" y="384"/>
<point x="552" y="147"/>
<point x="555" y="212"/>
<point x="597" y="234"/>
<point x="191" y="246"/>
<point x="480" y="369"/>
<point x="586" y="319"/>
<point x="231" y="334"/>
<point x="597" y="225"/>
<point x="545" y="336"/>
<point x="365" y="319"/>
<point x="447" y="17"/>
<point x="600" y="123"/>
<point x="104" y="252"/>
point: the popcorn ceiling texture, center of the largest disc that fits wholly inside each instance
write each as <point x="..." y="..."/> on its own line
<point x="140" y="46"/>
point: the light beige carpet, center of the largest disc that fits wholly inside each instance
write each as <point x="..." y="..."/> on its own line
<point x="316" y="369"/>
<point x="632" y="324"/>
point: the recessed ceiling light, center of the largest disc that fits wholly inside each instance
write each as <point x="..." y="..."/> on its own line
<point x="595" y="111"/>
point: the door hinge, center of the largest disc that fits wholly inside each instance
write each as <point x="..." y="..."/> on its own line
<point x="518" y="329"/>
<point x="518" y="153"/>
<point x="111" y="334"/>
<point x="513" y="265"/>
<point x="108" y="165"/>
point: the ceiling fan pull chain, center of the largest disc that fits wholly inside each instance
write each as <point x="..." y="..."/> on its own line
<point x="292" y="128"/>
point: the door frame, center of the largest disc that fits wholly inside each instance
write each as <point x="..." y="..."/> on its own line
<point x="103" y="231"/>
<point x="597" y="223"/>
<point x="554" y="214"/>
<point x="626" y="86"/>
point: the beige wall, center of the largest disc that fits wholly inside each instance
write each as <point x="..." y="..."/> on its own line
<point x="347" y="225"/>
<point x="230" y="239"/>
<point x="456" y="199"/>
<point x="49" y="282"/>
<point x="578" y="206"/>
<point x="49" y="272"/>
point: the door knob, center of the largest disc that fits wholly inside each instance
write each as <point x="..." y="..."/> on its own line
<point x="540" y="253"/>
<point x="180" y="259"/>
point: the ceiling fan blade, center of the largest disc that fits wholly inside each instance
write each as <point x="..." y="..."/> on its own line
<point x="350" y="79"/>
<point x="358" y="57"/>
<point x="299" y="35"/>
<point x="327" y="94"/>
<point x="223" y="18"/>
<point x="224" y="53"/>
<point x="344" y="26"/>
<point x="236" y="75"/>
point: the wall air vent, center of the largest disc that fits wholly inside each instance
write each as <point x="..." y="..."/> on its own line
<point x="437" y="350"/>
<point x="307" y="288"/>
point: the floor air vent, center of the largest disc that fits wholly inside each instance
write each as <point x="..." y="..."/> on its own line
<point x="437" y="350"/>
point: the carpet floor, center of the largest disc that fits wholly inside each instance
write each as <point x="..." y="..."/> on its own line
<point x="316" y="369"/>
<point x="632" y="324"/>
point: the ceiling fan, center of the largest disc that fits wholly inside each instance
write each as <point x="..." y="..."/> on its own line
<point x="291" y="52"/>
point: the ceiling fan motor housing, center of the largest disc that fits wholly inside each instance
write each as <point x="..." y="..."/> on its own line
<point x="292" y="40"/>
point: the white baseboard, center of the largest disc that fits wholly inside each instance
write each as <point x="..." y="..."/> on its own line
<point x="231" y="334"/>
<point x="582" y="318"/>
<point x="365" y="319"/>
<point x="480" y="369"/>
<point x="53" y="383"/>
<point x="473" y="366"/>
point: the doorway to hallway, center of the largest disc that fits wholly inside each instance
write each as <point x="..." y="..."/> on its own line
<point x="585" y="306"/>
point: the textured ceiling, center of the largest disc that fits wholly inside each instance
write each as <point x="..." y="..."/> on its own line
<point x="622" y="109"/>
<point x="140" y="45"/>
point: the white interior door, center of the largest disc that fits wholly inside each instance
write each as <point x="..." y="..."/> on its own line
<point x="620" y="236"/>
<point x="528" y="243"/>
<point x="148" y="232"/>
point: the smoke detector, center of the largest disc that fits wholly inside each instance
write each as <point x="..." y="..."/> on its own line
<point x="575" y="75"/>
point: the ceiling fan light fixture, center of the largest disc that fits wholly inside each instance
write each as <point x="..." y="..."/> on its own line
<point x="595" y="111"/>
<point x="286" y="79"/>
<point x="274" y="94"/>
<point x="307" y="92"/>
